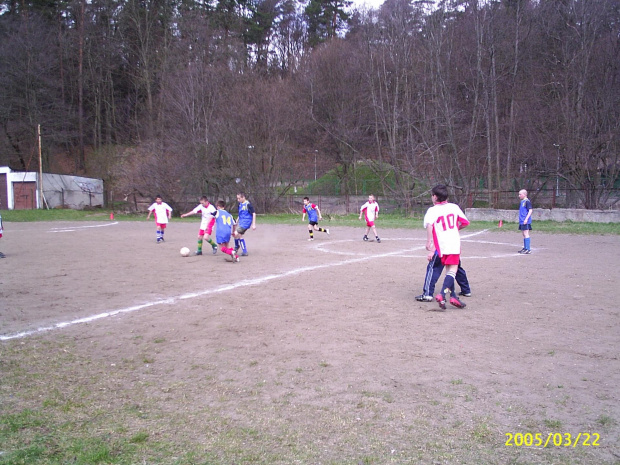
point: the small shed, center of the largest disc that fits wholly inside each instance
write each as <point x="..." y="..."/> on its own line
<point x="19" y="190"/>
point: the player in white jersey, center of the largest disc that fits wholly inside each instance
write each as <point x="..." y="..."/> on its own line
<point x="443" y="222"/>
<point x="370" y="210"/>
<point x="208" y="212"/>
<point x="162" y="212"/>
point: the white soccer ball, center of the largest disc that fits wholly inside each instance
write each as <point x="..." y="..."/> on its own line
<point x="185" y="252"/>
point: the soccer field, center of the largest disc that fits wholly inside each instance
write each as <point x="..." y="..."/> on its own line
<point x="305" y="352"/>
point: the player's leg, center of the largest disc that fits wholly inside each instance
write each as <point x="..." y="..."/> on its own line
<point x="311" y="231"/>
<point x="374" y="229"/>
<point x="199" y="248"/>
<point x="319" y="229"/>
<point x="211" y="242"/>
<point x="526" y="240"/>
<point x="462" y="281"/>
<point x="366" y="233"/>
<point x="430" y="279"/>
<point x="160" y="234"/>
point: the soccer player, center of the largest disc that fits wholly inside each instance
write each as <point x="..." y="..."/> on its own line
<point x="314" y="215"/>
<point x="433" y="272"/>
<point x="370" y="210"/>
<point x="525" y="220"/>
<point x="442" y="222"/>
<point x="162" y="212"/>
<point x="1" y="254"/>
<point x="224" y="229"/>
<point x="208" y="212"/>
<point x="245" y="221"/>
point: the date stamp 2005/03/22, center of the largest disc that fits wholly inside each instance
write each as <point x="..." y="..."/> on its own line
<point x="552" y="439"/>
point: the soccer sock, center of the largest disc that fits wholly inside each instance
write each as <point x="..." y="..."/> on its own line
<point x="243" y="246"/>
<point x="199" y="245"/>
<point x="213" y="244"/>
<point x="526" y="241"/>
<point x="322" y="230"/>
<point x="448" y="283"/>
<point x="226" y="250"/>
<point x="311" y="233"/>
<point x="236" y="244"/>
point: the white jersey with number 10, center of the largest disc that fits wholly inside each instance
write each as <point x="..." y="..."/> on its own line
<point x="447" y="219"/>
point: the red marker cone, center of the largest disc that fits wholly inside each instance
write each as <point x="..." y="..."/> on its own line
<point x="501" y="223"/>
<point x="112" y="215"/>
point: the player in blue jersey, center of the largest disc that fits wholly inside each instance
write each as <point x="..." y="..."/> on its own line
<point x="525" y="220"/>
<point x="224" y="228"/>
<point x="245" y="221"/>
<point x="314" y="215"/>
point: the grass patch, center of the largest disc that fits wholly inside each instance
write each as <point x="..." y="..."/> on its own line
<point x="386" y="221"/>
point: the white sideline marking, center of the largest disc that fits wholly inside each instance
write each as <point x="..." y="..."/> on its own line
<point x="71" y="229"/>
<point x="224" y="288"/>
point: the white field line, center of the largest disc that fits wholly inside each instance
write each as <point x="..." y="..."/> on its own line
<point x="71" y="229"/>
<point x="217" y="290"/>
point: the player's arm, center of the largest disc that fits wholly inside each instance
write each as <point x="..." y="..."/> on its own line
<point x="430" y="244"/>
<point x="318" y="210"/>
<point x="361" y="211"/>
<point x="188" y="214"/>
<point x="462" y="222"/>
<point x="253" y="220"/>
<point x="529" y="214"/>
<point x="149" y="215"/>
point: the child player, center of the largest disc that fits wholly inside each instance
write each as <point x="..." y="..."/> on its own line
<point x="208" y="212"/>
<point x="224" y="229"/>
<point x="314" y="215"/>
<point x="163" y="213"/>
<point x="370" y="210"/>
<point x="246" y="219"/>
<point x="525" y="220"/>
<point x="442" y="222"/>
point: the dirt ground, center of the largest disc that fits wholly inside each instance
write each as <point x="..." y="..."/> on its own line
<point x="319" y="348"/>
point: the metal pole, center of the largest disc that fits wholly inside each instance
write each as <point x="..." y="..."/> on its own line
<point x="40" y="205"/>
<point x="315" y="154"/>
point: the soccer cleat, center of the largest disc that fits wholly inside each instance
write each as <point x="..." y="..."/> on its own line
<point x="424" y="298"/>
<point x="441" y="300"/>
<point x="522" y="250"/>
<point x="2" y="255"/>
<point x="159" y="241"/>
<point x="244" y="254"/>
<point x="365" y="238"/>
<point x="311" y="239"/>
<point x="457" y="303"/>
<point x="235" y="257"/>
<point x="327" y="232"/>
<point x="465" y="294"/>
<point x="198" y="252"/>
<point x="378" y="240"/>
<point x="214" y="250"/>
<point x="527" y="252"/>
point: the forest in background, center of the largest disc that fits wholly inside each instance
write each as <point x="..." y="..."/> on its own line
<point x="180" y="97"/>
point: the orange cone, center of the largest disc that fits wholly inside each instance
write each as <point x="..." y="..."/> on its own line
<point x="112" y="215"/>
<point x="501" y="223"/>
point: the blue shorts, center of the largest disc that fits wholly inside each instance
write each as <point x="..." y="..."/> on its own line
<point x="525" y="227"/>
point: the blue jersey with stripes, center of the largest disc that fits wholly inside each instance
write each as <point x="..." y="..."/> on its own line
<point x="246" y="212"/>
<point x="223" y="226"/>
<point x="310" y="209"/>
<point x="524" y="207"/>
